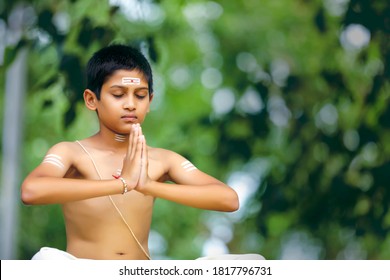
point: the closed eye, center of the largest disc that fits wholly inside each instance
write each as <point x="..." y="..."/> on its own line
<point x="141" y="93"/>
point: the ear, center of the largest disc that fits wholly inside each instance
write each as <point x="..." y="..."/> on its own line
<point x="90" y="99"/>
<point x="150" y="100"/>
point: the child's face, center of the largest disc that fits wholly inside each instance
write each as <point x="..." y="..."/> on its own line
<point x="124" y="100"/>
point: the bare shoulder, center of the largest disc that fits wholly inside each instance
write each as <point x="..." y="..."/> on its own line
<point x="68" y="153"/>
<point x="57" y="161"/>
<point x="66" y="145"/>
<point x="179" y="169"/>
<point x="65" y="149"/>
<point x="165" y="156"/>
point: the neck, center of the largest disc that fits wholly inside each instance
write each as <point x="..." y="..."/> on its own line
<point x="113" y="141"/>
<point x="120" y="137"/>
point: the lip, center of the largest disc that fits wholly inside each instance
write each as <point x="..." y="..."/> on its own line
<point x="129" y="118"/>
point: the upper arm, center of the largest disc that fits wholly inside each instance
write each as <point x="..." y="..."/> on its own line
<point x="182" y="171"/>
<point x="56" y="162"/>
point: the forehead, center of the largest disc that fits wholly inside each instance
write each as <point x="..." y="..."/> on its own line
<point x="127" y="77"/>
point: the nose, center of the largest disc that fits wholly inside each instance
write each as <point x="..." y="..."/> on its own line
<point x="129" y="102"/>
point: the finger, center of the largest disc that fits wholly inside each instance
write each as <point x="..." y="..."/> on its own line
<point x="140" y="133"/>
<point x="144" y="150"/>
<point x="145" y="158"/>
<point x="131" y="137"/>
<point x="133" y="143"/>
<point x="144" y="162"/>
<point x="142" y="139"/>
<point x="138" y="149"/>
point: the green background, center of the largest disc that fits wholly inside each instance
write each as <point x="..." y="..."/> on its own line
<point x="287" y="101"/>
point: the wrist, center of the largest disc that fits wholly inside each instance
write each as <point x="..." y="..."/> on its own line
<point x="125" y="186"/>
<point x="145" y="188"/>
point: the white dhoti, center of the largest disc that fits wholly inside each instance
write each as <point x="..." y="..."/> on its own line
<point x="47" y="253"/>
<point x="233" y="257"/>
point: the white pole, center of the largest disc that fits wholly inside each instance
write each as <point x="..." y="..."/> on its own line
<point x="15" y="89"/>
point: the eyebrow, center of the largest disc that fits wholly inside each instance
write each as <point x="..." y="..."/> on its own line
<point x="125" y="87"/>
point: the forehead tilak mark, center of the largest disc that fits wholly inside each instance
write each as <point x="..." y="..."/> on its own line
<point x="131" y="81"/>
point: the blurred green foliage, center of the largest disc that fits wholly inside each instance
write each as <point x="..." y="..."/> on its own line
<point x="285" y="100"/>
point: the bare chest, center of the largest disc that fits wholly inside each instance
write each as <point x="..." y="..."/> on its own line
<point x="104" y="166"/>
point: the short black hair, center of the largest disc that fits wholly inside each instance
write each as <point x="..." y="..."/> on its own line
<point x="109" y="59"/>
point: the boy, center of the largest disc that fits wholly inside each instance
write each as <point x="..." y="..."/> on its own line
<point x="107" y="183"/>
